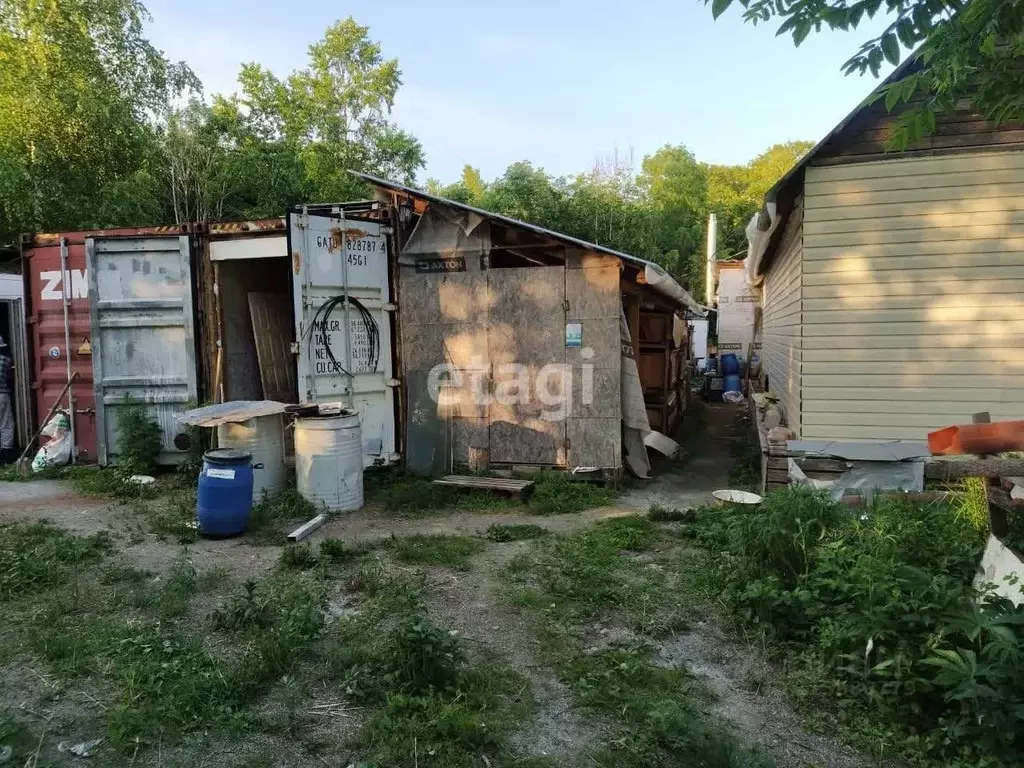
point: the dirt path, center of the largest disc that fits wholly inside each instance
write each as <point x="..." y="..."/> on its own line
<point x="706" y="469"/>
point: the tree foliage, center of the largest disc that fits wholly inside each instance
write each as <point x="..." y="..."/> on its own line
<point x="98" y="128"/>
<point x="659" y="213"/>
<point x="334" y="115"/>
<point x="80" y="87"/>
<point x="968" y="50"/>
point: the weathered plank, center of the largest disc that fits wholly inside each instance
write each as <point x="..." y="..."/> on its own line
<point x="496" y="484"/>
<point x="959" y="468"/>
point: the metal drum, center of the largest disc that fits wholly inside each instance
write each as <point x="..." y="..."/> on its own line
<point x="329" y="460"/>
<point x="263" y="437"/>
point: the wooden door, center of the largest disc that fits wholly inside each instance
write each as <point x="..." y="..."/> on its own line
<point x="526" y="350"/>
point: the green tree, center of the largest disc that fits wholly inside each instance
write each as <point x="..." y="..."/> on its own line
<point x="735" y="192"/>
<point x="80" y="90"/>
<point x="334" y="115"/>
<point x="968" y="50"/>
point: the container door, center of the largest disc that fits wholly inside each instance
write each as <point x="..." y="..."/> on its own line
<point x="46" y="289"/>
<point x="142" y="344"/>
<point x="344" y="348"/>
<point x="19" y="354"/>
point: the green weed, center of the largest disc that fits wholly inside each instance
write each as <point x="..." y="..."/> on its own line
<point x="335" y="551"/>
<point x="657" y="712"/>
<point x="175" y="517"/>
<point x="877" y="614"/>
<point x="558" y="493"/>
<point x="438" y="708"/>
<point x="297" y="557"/>
<point x="38" y="557"/>
<point x="577" y="577"/>
<point x="272" y="511"/>
<point x="139" y="439"/>
<point x="502" y="533"/>
<point x="552" y="493"/>
<point x="413" y="496"/>
<point x="452" y="551"/>
<point x="660" y="514"/>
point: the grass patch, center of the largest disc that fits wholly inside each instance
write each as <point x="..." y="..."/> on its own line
<point x="268" y="515"/>
<point x="578" y="577"/>
<point x="412" y="496"/>
<point x="108" y="482"/>
<point x="297" y="557"/>
<point x="657" y="711"/>
<point x="596" y="575"/>
<point x="552" y="493"/>
<point x="558" y="493"/>
<point x="435" y="706"/>
<point x="501" y="533"/>
<point x="879" y="621"/>
<point x="441" y="549"/>
<point x="175" y="517"/>
<point x="660" y="514"/>
<point x="38" y="557"/>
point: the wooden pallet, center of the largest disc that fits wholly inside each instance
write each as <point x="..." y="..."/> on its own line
<point x="496" y="484"/>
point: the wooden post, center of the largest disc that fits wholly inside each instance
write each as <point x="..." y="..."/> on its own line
<point x="996" y="515"/>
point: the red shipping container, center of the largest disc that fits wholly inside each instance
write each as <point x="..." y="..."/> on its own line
<point x="45" y="287"/>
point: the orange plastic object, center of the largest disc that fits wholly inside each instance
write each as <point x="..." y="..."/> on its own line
<point x="996" y="437"/>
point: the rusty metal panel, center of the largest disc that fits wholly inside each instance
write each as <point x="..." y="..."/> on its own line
<point x="142" y="334"/>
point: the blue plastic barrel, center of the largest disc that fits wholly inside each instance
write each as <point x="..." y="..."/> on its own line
<point x="732" y="383"/>
<point x="730" y="365"/>
<point x="224" y="500"/>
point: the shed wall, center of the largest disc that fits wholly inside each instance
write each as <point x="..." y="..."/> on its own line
<point x="913" y="295"/>
<point x="783" y="305"/>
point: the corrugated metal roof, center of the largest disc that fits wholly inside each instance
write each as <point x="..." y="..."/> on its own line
<point x="492" y="216"/>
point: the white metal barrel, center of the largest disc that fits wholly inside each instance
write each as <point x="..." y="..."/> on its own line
<point x="329" y="461"/>
<point x="263" y="437"/>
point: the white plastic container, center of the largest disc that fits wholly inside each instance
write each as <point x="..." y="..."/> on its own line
<point x="329" y="461"/>
<point x="263" y="437"/>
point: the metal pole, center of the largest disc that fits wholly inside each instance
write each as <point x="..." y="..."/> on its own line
<point x="348" y="326"/>
<point x="65" y="281"/>
<point x="709" y="277"/>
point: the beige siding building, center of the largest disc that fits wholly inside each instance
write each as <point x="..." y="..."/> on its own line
<point x="894" y="284"/>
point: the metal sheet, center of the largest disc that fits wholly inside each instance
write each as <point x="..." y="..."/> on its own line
<point x="142" y="342"/>
<point x="236" y="411"/>
<point x="334" y="257"/>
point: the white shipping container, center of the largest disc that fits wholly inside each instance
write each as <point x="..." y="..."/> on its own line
<point x="345" y="355"/>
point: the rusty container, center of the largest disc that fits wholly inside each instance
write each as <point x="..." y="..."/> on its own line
<point x="54" y="270"/>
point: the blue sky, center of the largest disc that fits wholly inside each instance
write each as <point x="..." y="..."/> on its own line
<point x="560" y="83"/>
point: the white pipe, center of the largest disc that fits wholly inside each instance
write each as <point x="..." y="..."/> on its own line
<point x="709" y="276"/>
<point x="65" y="281"/>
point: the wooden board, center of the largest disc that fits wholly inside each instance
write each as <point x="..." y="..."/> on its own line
<point x="496" y="484"/>
<point x="272" y="328"/>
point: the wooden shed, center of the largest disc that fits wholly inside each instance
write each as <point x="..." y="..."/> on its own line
<point x="893" y="282"/>
<point x="519" y="345"/>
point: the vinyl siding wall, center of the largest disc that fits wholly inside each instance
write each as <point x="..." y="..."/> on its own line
<point x="913" y="295"/>
<point x="781" y="332"/>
